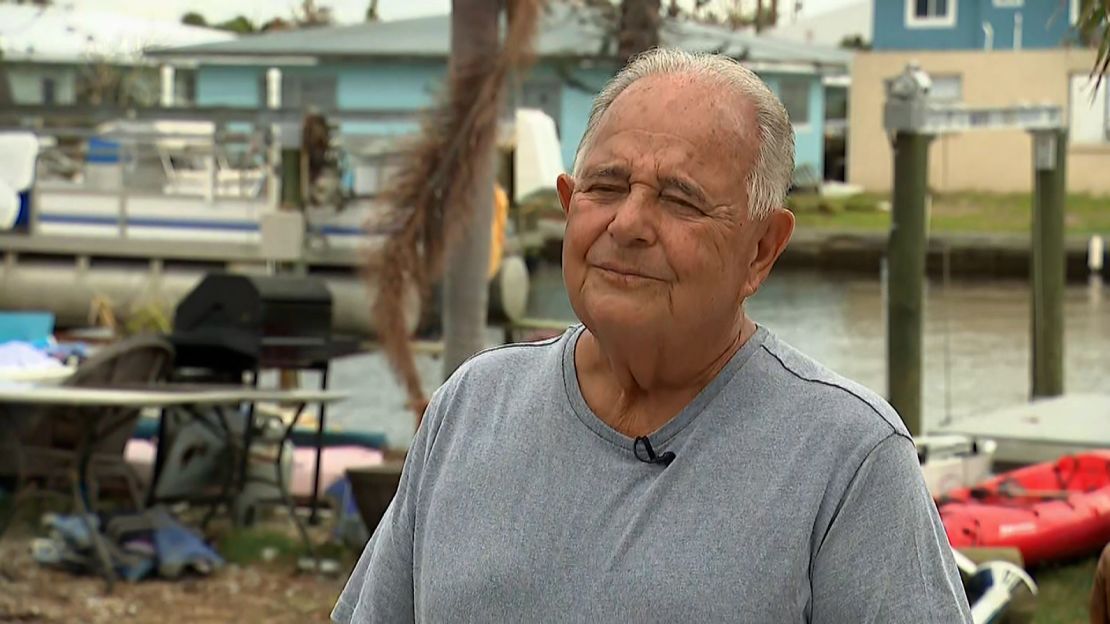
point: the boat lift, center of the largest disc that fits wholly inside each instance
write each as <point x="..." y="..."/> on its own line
<point x="912" y="120"/>
<point x="134" y="205"/>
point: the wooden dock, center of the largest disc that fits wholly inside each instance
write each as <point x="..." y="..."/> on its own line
<point x="1042" y="430"/>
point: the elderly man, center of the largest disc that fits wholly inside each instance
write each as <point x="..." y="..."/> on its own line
<point x="669" y="459"/>
<point x="1100" y="590"/>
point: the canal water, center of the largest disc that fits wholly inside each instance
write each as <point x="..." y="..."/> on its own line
<point x="977" y="348"/>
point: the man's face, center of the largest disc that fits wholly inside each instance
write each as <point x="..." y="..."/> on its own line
<point x="657" y="232"/>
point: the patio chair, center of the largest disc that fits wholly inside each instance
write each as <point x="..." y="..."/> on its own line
<point x="46" y="444"/>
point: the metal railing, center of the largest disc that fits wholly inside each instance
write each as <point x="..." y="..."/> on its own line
<point x="213" y="154"/>
<point x="220" y="115"/>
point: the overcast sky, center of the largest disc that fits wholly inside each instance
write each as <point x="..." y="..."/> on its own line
<point x="345" y="10"/>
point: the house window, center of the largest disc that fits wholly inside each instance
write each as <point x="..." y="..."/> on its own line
<point x="930" y="13"/>
<point x="184" y="87"/>
<point x="545" y="95"/>
<point x="947" y="89"/>
<point x="836" y="103"/>
<point x="794" y="93"/>
<point x="49" y="91"/>
<point x="930" y="9"/>
<point x="1088" y="112"/>
<point x="304" y="91"/>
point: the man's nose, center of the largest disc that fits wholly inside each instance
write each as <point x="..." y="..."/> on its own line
<point x="634" y="224"/>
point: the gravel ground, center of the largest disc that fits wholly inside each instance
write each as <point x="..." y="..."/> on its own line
<point x="258" y="592"/>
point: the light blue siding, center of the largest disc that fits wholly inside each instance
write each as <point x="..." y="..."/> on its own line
<point x="389" y="85"/>
<point x="399" y="85"/>
<point x="578" y="97"/>
<point x="809" y="135"/>
<point x="219" y="85"/>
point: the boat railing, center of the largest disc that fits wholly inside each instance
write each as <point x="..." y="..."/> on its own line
<point x="91" y="115"/>
<point x="211" y="156"/>
<point x="127" y="164"/>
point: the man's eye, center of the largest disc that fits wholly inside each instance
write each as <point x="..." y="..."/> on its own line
<point x="680" y="203"/>
<point x="606" y="188"/>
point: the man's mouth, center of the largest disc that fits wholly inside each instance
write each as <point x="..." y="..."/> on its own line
<point x="622" y="271"/>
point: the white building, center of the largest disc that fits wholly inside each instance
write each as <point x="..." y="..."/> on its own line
<point x="63" y="55"/>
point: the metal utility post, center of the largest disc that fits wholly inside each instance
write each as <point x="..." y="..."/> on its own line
<point x="904" y="120"/>
<point x="1047" y="270"/>
<point x="292" y="192"/>
<point x="273" y="102"/>
<point x="167" y="77"/>
<point x="906" y="276"/>
<point x="291" y="189"/>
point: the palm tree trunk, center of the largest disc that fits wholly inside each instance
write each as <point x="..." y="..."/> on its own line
<point x="5" y="90"/>
<point x="638" y="30"/>
<point x="474" y="46"/>
<point x="5" y="86"/>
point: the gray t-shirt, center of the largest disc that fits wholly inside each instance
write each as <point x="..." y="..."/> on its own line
<point x="794" y="496"/>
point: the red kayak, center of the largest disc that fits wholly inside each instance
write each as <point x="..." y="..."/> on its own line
<point x="1050" y="511"/>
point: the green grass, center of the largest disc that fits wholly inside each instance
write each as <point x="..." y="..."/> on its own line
<point x="1008" y="213"/>
<point x="246" y="546"/>
<point x="1064" y="593"/>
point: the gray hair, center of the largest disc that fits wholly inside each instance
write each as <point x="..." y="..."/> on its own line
<point x="773" y="169"/>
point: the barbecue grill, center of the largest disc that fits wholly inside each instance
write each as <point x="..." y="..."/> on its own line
<point x="232" y="326"/>
<point x="233" y="322"/>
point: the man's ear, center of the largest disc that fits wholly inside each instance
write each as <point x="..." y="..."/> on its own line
<point x="776" y="234"/>
<point x="565" y="186"/>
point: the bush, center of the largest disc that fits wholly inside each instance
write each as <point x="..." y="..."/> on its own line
<point x="861" y="203"/>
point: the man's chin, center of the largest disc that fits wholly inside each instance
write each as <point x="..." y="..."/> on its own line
<point x="632" y="314"/>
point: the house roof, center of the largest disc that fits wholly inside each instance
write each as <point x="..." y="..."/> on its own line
<point x="67" y="35"/>
<point x="566" y="32"/>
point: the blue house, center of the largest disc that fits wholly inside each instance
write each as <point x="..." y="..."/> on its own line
<point x="401" y="65"/>
<point x="974" y="24"/>
<point x="982" y="53"/>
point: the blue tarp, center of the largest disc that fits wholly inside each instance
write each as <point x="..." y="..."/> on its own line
<point x="36" y="328"/>
<point x="139" y="545"/>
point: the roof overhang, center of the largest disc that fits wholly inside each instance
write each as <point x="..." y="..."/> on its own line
<point x="264" y="60"/>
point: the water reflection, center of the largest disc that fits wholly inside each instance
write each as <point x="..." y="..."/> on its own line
<point x="976" y="334"/>
<point x="976" y="343"/>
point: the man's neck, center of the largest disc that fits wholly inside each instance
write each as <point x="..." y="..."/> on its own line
<point x="636" y="385"/>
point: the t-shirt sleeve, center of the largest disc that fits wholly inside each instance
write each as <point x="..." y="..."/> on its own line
<point x="380" y="588"/>
<point x="885" y="557"/>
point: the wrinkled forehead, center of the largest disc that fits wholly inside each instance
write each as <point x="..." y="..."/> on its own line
<point x="683" y="117"/>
